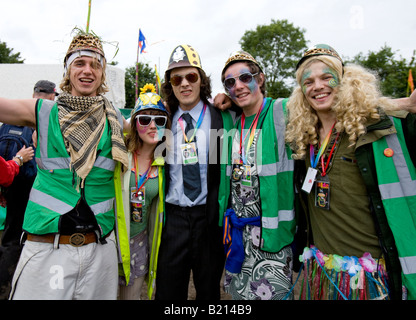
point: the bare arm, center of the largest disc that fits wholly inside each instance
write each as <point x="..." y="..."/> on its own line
<point x="408" y="104"/>
<point x="18" y="112"/>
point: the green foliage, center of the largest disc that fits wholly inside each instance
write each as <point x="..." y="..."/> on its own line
<point x="146" y="75"/>
<point x="6" y="55"/>
<point x="393" y="72"/>
<point x="277" y="47"/>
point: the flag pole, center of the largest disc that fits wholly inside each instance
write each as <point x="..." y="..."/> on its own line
<point x="89" y="15"/>
<point x="137" y="69"/>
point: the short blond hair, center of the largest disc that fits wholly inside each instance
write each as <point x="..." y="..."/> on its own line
<point x="66" y="85"/>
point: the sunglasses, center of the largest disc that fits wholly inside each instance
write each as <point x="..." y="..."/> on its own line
<point x="144" y="120"/>
<point x="247" y="77"/>
<point x="176" y="80"/>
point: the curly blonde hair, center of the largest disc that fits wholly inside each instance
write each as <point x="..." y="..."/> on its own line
<point x="358" y="100"/>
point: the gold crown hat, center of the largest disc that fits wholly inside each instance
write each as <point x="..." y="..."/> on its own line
<point x="184" y="56"/>
<point x="84" y="44"/>
<point x="319" y="50"/>
<point x="239" y="56"/>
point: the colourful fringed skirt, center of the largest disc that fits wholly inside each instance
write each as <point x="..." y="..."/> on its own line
<point x="333" y="277"/>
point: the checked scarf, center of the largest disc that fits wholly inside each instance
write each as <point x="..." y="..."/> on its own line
<point x="82" y="121"/>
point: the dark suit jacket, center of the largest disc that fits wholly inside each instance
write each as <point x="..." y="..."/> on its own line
<point x="213" y="174"/>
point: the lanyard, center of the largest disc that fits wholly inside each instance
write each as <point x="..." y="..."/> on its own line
<point x="143" y="178"/>
<point x="251" y="130"/>
<point x="198" y="124"/>
<point x="314" y="160"/>
<point x="329" y="157"/>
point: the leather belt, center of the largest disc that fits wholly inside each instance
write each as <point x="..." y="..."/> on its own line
<point x="75" y="239"/>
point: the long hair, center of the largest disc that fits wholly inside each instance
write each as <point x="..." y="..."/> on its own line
<point x="170" y="98"/>
<point x="357" y="101"/>
<point x="133" y="140"/>
<point x="67" y="86"/>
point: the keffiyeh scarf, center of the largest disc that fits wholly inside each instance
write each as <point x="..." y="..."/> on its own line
<point x="82" y="121"/>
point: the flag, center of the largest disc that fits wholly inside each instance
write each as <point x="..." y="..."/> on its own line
<point x="410" y="84"/>
<point x="142" y="41"/>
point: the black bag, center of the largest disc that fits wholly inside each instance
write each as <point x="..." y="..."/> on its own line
<point x="12" y="139"/>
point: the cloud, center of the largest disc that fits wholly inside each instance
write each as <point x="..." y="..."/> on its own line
<point x="41" y="30"/>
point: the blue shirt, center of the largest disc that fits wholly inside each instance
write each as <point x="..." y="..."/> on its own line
<point x="175" y="194"/>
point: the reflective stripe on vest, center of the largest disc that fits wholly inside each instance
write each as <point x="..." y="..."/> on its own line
<point x="405" y="187"/>
<point x="61" y="207"/>
<point x="273" y="223"/>
<point x="284" y="164"/>
<point x="59" y="163"/>
<point x="396" y="176"/>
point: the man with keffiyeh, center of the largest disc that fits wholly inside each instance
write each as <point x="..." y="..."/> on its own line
<point x="70" y="250"/>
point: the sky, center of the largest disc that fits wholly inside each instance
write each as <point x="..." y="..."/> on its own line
<point x="41" y="29"/>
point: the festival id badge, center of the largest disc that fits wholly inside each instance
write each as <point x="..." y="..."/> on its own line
<point x="246" y="183"/>
<point x="237" y="170"/>
<point x="309" y="180"/>
<point x="246" y="176"/>
<point x="322" y="193"/>
<point x="189" y="154"/>
<point x="137" y="196"/>
<point x="137" y="200"/>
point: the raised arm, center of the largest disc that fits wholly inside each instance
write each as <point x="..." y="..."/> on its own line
<point x="408" y="104"/>
<point x="18" y="112"/>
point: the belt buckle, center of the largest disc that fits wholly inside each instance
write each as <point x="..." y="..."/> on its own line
<point x="77" y="240"/>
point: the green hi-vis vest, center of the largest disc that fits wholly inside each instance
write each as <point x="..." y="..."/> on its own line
<point x="275" y="171"/>
<point x="396" y="175"/>
<point x="56" y="189"/>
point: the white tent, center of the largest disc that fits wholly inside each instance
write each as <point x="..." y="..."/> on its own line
<point x="18" y="79"/>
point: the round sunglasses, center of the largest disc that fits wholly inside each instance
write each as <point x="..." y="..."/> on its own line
<point x="245" y="78"/>
<point x="176" y="79"/>
<point x="144" y="120"/>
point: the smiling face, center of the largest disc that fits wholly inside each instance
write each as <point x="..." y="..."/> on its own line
<point x="320" y="85"/>
<point x="187" y="93"/>
<point x="246" y="95"/>
<point x="85" y="76"/>
<point x="151" y="134"/>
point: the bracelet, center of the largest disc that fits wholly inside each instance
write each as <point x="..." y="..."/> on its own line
<point x="18" y="156"/>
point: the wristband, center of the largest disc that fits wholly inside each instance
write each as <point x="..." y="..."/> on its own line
<point x="20" y="158"/>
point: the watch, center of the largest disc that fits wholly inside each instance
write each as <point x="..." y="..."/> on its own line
<point x="18" y="156"/>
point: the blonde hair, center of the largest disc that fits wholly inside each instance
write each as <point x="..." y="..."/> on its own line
<point x="66" y="85"/>
<point x="357" y="101"/>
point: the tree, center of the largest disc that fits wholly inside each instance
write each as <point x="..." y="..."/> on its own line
<point x="277" y="47"/>
<point x="146" y="75"/>
<point x="393" y="73"/>
<point x="6" y="55"/>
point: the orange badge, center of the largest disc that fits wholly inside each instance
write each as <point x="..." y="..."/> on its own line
<point x="388" y="152"/>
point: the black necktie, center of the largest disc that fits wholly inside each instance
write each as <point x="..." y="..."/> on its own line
<point x="190" y="172"/>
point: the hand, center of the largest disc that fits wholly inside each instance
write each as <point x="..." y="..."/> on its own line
<point x="222" y="101"/>
<point x="26" y="153"/>
<point x="412" y="102"/>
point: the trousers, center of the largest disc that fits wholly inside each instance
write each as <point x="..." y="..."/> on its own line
<point x="188" y="244"/>
<point x="44" y="272"/>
